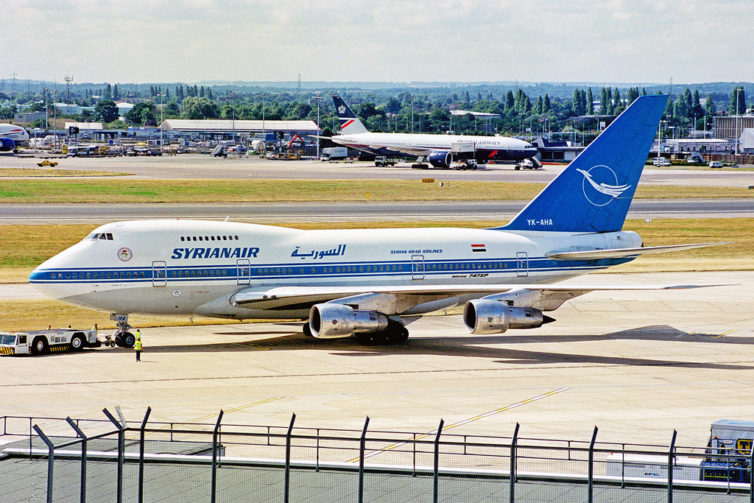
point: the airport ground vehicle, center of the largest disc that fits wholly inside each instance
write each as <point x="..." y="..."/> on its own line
<point x="660" y="161"/>
<point x="44" y="341"/>
<point x="332" y="153"/>
<point x="382" y="160"/>
<point x="530" y="163"/>
<point x="726" y="459"/>
<point x="47" y="162"/>
<point x="715" y="164"/>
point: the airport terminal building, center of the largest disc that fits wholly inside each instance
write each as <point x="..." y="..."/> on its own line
<point x="227" y="129"/>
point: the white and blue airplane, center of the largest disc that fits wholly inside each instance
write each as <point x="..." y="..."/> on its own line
<point x="438" y="149"/>
<point x="371" y="283"/>
<point x="11" y="136"/>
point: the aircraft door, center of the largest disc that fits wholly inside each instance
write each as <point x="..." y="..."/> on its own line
<point x="159" y="273"/>
<point x="417" y="267"/>
<point x="522" y="264"/>
<point x="243" y="268"/>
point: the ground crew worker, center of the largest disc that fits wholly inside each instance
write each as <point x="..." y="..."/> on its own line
<point x="137" y="345"/>
<point x="94" y="331"/>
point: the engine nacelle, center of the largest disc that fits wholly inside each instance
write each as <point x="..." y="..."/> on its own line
<point x="440" y="159"/>
<point x="485" y="316"/>
<point x="336" y="321"/>
<point x="7" y="144"/>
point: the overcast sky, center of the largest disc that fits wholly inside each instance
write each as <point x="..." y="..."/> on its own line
<point x="639" y="41"/>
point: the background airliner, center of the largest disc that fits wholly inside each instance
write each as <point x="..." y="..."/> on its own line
<point x="370" y="283"/>
<point x="436" y="148"/>
<point x="11" y="136"/>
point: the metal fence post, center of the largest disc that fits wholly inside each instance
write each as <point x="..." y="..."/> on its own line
<point x="121" y="453"/>
<point x="414" y="455"/>
<point x="362" y="448"/>
<point x="215" y="432"/>
<point x="50" y="461"/>
<point x="514" y="449"/>
<point x="751" y="475"/>
<point x="435" y="487"/>
<point x="141" y="454"/>
<point x="671" y="457"/>
<point x="286" y="491"/>
<point x="590" y="483"/>
<point x="82" y="490"/>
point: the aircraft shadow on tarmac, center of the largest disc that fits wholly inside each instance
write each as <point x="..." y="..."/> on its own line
<point x="473" y="346"/>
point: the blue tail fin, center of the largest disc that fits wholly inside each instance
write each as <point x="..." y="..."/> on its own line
<point x="349" y="123"/>
<point x="594" y="192"/>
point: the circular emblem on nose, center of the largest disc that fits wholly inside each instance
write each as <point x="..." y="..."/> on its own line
<point x="125" y="254"/>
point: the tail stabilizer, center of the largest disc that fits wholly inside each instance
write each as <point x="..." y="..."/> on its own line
<point x="349" y="123"/>
<point x="594" y="192"/>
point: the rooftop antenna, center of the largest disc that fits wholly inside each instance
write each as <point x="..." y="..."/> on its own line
<point x="299" y="82"/>
<point x="68" y="80"/>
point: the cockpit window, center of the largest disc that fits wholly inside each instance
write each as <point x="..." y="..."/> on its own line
<point x="103" y="235"/>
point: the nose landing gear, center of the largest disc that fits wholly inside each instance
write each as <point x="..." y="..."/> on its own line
<point x="123" y="336"/>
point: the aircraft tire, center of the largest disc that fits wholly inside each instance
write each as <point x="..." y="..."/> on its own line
<point x="307" y="330"/>
<point x="127" y="340"/>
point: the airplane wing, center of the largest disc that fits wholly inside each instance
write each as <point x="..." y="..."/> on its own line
<point x="288" y="297"/>
<point x="625" y="252"/>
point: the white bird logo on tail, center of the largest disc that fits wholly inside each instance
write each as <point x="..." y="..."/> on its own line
<point x="604" y="188"/>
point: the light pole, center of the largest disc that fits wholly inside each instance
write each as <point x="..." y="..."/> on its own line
<point x="161" y="144"/>
<point x="738" y="89"/>
<point x="318" y="99"/>
<point x="412" y="113"/>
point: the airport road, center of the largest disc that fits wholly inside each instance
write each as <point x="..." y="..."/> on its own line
<point x="328" y="212"/>
<point x="194" y="166"/>
<point x="636" y="364"/>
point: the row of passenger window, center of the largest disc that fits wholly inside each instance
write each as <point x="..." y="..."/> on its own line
<point x="209" y="238"/>
<point x="279" y="271"/>
<point x="100" y="275"/>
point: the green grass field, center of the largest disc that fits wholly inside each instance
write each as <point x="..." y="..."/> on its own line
<point x="127" y="190"/>
<point x="53" y="173"/>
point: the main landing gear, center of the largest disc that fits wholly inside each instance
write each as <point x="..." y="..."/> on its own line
<point x="396" y="333"/>
<point x="123" y="336"/>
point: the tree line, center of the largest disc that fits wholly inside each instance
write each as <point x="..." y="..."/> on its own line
<point x="409" y="110"/>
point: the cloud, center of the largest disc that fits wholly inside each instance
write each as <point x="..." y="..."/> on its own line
<point x="192" y="40"/>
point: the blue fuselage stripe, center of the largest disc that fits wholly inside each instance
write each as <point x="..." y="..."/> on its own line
<point x="383" y="269"/>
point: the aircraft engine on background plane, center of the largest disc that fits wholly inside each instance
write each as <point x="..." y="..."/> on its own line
<point x="440" y="158"/>
<point x="7" y="144"/>
<point x="487" y="316"/>
<point x="335" y="321"/>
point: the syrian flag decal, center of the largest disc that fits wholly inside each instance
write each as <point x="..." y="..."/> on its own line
<point x="478" y="248"/>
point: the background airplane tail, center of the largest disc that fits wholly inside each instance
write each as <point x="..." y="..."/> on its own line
<point x="594" y="192"/>
<point x="349" y="123"/>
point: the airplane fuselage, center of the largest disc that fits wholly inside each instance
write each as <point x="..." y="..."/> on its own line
<point x="195" y="267"/>
<point x="485" y="147"/>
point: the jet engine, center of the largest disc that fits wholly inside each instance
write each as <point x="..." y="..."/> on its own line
<point x="7" y="144"/>
<point x="335" y="321"/>
<point x="486" y="316"/>
<point x="440" y="159"/>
